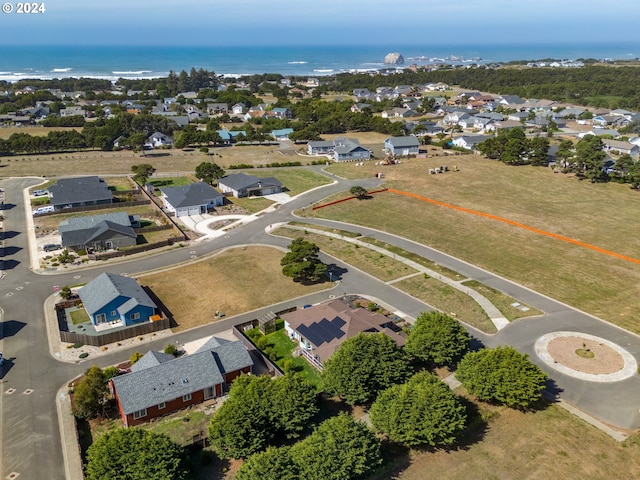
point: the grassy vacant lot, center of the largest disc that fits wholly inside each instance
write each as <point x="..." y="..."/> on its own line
<point x="294" y="180"/>
<point x="233" y="282"/>
<point x="550" y="443"/>
<point x="36" y="131"/>
<point x="598" y="214"/>
<point x="376" y="264"/>
<point x="447" y="299"/>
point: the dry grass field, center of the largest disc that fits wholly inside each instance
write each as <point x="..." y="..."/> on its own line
<point x="598" y="214"/>
<point x="550" y="443"/>
<point x="233" y="282"/>
<point x="36" y="131"/>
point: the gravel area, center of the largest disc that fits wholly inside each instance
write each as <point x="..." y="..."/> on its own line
<point x="605" y="359"/>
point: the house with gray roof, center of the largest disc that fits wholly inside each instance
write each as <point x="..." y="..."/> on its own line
<point x="111" y="298"/>
<point x="98" y="232"/>
<point x="407" y="145"/>
<point x="340" y="149"/>
<point x="192" y="199"/>
<point x="469" y="142"/>
<point x="243" y="185"/>
<point x="282" y="133"/>
<point x="79" y="192"/>
<point x="159" y="384"/>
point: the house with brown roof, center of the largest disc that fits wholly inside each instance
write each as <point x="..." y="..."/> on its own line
<point x="321" y="329"/>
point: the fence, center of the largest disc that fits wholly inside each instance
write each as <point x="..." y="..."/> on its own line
<point x="249" y="345"/>
<point x="158" y="228"/>
<point x="117" y="336"/>
<point x="136" y="249"/>
<point x="102" y="206"/>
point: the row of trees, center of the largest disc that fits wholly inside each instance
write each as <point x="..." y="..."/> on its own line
<point x="514" y="148"/>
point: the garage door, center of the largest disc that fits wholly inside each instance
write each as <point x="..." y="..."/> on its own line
<point x="183" y="212"/>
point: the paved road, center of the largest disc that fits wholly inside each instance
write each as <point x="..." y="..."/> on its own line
<point x="30" y="442"/>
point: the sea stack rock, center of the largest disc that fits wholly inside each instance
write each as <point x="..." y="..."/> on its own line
<point x="394" y="59"/>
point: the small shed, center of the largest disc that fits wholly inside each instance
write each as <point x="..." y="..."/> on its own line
<point x="267" y="323"/>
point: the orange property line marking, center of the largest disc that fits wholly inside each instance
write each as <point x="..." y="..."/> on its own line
<point x="519" y="225"/>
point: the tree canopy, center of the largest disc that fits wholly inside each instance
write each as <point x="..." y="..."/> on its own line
<point x="261" y="411"/>
<point x="363" y="366"/>
<point x="339" y="449"/>
<point x="209" y="172"/>
<point x="272" y="464"/>
<point x="513" y="148"/>
<point x="423" y="411"/>
<point x="302" y="262"/>
<point x="135" y="454"/>
<point x="91" y="394"/>
<point x="438" y="339"/>
<point x="358" y="191"/>
<point x="142" y="172"/>
<point x="502" y="375"/>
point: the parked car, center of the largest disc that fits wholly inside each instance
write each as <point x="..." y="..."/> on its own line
<point x="50" y="247"/>
<point x="40" y="193"/>
<point x="45" y="209"/>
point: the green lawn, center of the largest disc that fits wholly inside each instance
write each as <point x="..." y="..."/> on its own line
<point x="170" y="182"/>
<point x="79" y="316"/>
<point x="252" y="205"/>
<point x="181" y="427"/>
<point x="294" y="180"/>
<point x="282" y="347"/>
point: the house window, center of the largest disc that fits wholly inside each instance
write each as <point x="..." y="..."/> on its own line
<point x="101" y="318"/>
<point x="140" y="414"/>
<point x="114" y="313"/>
<point x="134" y="316"/>
<point x="186" y="398"/>
<point x="209" y="392"/>
<point x="161" y="405"/>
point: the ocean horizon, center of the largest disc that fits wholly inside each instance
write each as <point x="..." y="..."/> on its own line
<point x="137" y="62"/>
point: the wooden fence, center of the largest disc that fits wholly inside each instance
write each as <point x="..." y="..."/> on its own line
<point x="136" y="249"/>
<point x="117" y="336"/>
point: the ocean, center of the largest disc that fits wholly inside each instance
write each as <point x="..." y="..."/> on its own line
<point x="45" y="62"/>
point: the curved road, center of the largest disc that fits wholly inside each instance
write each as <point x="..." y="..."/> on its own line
<point x="30" y="378"/>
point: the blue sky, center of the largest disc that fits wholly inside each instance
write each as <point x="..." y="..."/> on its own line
<point x="325" y="22"/>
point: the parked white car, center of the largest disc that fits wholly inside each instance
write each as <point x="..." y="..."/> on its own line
<point x="45" y="209"/>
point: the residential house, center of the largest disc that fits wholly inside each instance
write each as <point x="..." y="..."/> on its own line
<point x="361" y="107"/>
<point x="319" y="330"/>
<point x="243" y="185"/>
<point x="282" y="134"/>
<point x="159" y="140"/>
<point x="115" y="298"/>
<point x="160" y="384"/>
<point x="600" y="132"/>
<point x="617" y="146"/>
<point x="407" y="145"/>
<point x="239" y="109"/>
<point x="231" y="136"/>
<point x="72" y="111"/>
<point x="98" y="232"/>
<point x="469" y="142"/>
<point x="281" y="112"/>
<point x="217" y="108"/>
<point x="192" y="199"/>
<point x="399" y="112"/>
<point x="512" y="101"/>
<point x="340" y="149"/>
<point x="79" y="192"/>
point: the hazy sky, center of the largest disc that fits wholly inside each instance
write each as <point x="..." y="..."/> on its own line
<point x="324" y="22"/>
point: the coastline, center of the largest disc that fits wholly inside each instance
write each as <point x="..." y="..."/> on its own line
<point x="144" y="62"/>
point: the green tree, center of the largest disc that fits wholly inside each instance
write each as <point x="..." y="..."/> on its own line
<point x="142" y="172"/>
<point x="171" y="349"/>
<point x="137" y="141"/>
<point x="66" y="293"/>
<point x="423" y="411"/>
<point x="339" y="449"/>
<point x="91" y="394"/>
<point x="272" y="464"/>
<point x="302" y="262"/>
<point x="135" y="356"/>
<point x="502" y="375"/>
<point x="209" y="172"/>
<point x="135" y="454"/>
<point x="438" y="339"/>
<point x="589" y="159"/>
<point x="259" y="411"/>
<point x="363" y="366"/>
<point x="538" y="151"/>
<point x="358" y="191"/>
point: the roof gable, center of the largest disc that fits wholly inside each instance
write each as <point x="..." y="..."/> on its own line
<point x="198" y="193"/>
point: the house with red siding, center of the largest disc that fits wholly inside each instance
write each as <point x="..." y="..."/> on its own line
<point x="160" y="384"/>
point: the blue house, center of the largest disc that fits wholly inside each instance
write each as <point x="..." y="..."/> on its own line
<point x="408" y="145"/>
<point x="111" y="298"/>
